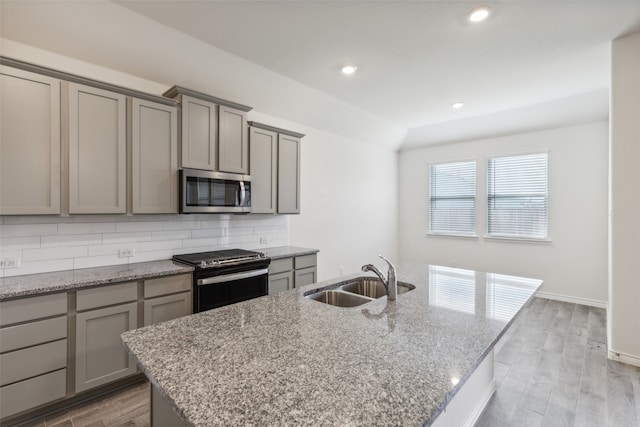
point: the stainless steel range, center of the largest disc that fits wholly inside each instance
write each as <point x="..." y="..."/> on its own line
<point x="226" y="277"/>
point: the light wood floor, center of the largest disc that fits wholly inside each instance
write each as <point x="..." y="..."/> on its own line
<point x="551" y="371"/>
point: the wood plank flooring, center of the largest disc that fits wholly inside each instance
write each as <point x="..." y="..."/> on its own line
<point x="552" y="371"/>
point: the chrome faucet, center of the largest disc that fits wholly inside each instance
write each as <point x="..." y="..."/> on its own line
<point x="390" y="283"/>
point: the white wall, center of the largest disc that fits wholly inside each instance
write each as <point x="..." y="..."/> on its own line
<point x="574" y="264"/>
<point x="624" y="285"/>
<point x="348" y="200"/>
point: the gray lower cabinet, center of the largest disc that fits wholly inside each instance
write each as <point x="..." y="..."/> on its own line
<point x="167" y="298"/>
<point x="275" y="169"/>
<point x="100" y="356"/>
<point x="292" y="272"/>
<point x="33" y="352"/>
<point x="29" y="143"/>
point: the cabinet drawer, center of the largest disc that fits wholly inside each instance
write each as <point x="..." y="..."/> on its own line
<point x="29" y="334"/>
<point x="168" y="307"/>
<point x="32" y="308"/>
<point x="306" y="261"/>
<point x="107" y="295"/>
<point x="167" y="285"/>
<point x="280" y="265"/>
<point x="33" y="392"/>
<point x="32" y="361"/>
<point x="305" y="276"/>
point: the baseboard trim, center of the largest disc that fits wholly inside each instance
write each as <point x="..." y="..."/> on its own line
<point x="574" y="300"/>
<point x="624" y="358"/>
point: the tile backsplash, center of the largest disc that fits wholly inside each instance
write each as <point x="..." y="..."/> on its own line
<point x="38" y="244"/>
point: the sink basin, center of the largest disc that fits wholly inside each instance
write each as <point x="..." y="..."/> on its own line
<point x="339" y="299"/>
<point x="372" y="287"/>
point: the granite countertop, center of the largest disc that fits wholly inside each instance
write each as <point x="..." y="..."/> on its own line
<point x="287" y="360"/>
<point x="42" y="283"/>
<point x="58" y="281"/>
<point x="287" y="251"/>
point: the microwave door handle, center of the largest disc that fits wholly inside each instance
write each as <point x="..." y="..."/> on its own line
<point x="242" y="193"/>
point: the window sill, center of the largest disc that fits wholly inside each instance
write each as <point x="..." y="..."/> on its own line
<point x="518" y="240"/>
<point x="455" y="236"/>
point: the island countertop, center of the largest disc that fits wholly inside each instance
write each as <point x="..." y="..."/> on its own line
<point x="288" y="360"/>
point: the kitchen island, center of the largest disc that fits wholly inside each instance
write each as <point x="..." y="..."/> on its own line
<point x="289" y="360"/>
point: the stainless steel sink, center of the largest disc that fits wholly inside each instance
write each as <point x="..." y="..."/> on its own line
<point x="339" y="299"/>
<point x="355" y="292"/>
<point x="372" y="287"/>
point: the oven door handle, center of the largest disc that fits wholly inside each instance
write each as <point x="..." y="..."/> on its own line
<point x="232" y="277"/>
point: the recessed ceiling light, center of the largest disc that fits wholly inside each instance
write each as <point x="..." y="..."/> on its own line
<point x="479" y="14"/>
<point x="349" y="69"/>
<point x="457" y="105"/>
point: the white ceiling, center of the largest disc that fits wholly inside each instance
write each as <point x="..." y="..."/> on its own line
<point x="532" y="64"/>
<point x="415" y="58"/>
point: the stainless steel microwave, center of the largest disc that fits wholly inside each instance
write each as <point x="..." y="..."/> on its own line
<point x="214" y="192"/>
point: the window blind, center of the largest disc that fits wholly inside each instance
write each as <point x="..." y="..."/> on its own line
<point x="452" y="200"/>
<point x="517" y="196"/>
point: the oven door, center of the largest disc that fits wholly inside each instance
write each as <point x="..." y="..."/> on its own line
<point x="218" y="291"/>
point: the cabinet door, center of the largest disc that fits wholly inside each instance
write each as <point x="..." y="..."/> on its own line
<point x="165" y="308"/>
<point x="288" y="174"/>
<point x="29" y="143"/>
<point x="199" y="133"/>
<point x="306" y="276"/>
<point x="154" y="157"/>
<point x="233" y="144"/>
<point x="97" y="151"/>
<point x="280" y="282"/>
<point x="263" y="152"/>
<point x="100" y="356"/>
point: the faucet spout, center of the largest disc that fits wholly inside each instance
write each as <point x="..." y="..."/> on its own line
<point x="390" y="282"/>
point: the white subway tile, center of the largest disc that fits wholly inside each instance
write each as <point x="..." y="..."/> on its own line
<point x="99" y="218"/>
<point x="151" y="256"/>
<point x="131" y="227"/>
<point x="71" y="240"/>
<point x="99" y="261"/>
<point x="39" y="267"/>
<point x="160" y="245"/>
<point x="180" y="225"/>
<point x="171" y="235"/>
<point x="87" y="228"/>
<point x="192" y="243"/>
<point x="112" y="248"/>
<point x="19" y="242"/>
<point x="30" y="255"/>
<point x="208" y="232"/>
<point x="109" y="238"/>
<point x="240" y="231"/>
<point x="24" y="230"/>
<point x="219" y="223"/>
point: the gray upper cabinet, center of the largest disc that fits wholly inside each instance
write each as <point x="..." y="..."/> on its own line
<point x="214" y="132"/>
<point x="275" y="169"/>
<point x="263" y="152"/>
<point x="29" y="143"/>
<point x="288" y="174"/>
<point x="199" y="120"/>
<point x="97" y="151"/>
<point x="154" y="157"/>
<point x="233" y="145"/>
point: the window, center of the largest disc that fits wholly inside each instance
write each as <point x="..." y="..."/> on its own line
<point x="517" y="196"/>
<point x="452" y="201"/>
<point x="452" y="198"/>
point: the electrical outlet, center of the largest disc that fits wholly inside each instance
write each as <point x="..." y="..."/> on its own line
<point x="126" y="252"/>
<point x="10" y="263"/>
<point x="263" y="241"/>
